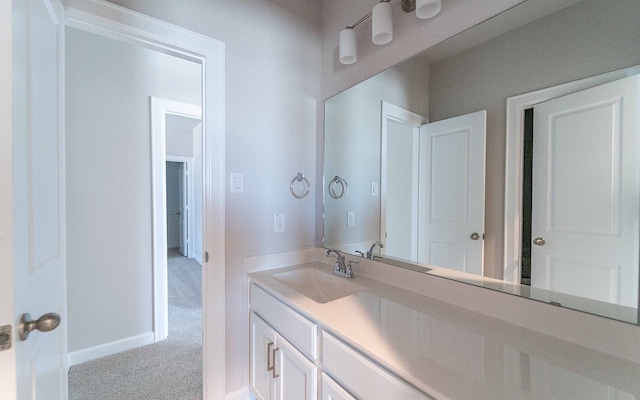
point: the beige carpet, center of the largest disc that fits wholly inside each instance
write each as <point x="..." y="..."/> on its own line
<point x="171" y="369"/>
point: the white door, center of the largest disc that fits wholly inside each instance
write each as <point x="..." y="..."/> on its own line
<point x="183" y="209"/>
<point x="32" y="218"/>
<point x="585" y="193"/>
<point x="452" y="170"/>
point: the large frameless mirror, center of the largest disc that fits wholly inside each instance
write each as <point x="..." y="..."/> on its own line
<point x="505" y="157"/>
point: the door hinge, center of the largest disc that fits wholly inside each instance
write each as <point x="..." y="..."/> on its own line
<point x="5" y="337"/>
<point x="206" y="256"/>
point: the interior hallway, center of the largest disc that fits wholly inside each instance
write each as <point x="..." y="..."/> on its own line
<point x="170" y="369"/>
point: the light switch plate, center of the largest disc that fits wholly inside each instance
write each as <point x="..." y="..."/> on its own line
<point x="237" y="182"/>
<point x="374" y="188"/>
<point x="351" y="218"/>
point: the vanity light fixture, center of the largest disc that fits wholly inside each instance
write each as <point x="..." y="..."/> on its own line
<point x="382" y="25"/>
<point x="348" y="46"/>
<point x="428" y="8"/>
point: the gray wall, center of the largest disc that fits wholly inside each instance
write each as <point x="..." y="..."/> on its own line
<point x="108" y="164"/>
<point x="557" y="49"/>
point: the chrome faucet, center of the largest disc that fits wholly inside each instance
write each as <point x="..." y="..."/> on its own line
<point x="370" y="255"/>
<point x="340" y="267"/>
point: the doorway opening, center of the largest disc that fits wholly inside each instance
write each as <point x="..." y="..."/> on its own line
<point x="527" y="176"/>
<point x="182" y="191"/>
<point x="177" y="154"/>
<point x="129" y="352"/>
<point x="179" y="228"/>
<point x="399" y="186"/>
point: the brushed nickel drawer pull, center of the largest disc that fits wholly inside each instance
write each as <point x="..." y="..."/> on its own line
<point x="275" y="374"/>
<point x="269" y="366"/>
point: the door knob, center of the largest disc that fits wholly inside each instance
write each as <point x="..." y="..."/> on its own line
<point x="474" y="236"/>
<point x="178" y="213"/>
<point x="45" y="323"/>
<point x="539" y="241"/>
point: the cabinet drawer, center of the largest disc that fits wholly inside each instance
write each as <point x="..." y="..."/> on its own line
<point x="301" y="332"/>
<point x="331" y="390"/>
<point x="364" y="379"/>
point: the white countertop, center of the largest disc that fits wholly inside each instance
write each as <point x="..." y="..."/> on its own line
<point x="452" y="353"/>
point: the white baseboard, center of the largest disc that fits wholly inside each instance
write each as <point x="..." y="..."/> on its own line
<point x="107" y="349"/>
<point x="242" y="394"/>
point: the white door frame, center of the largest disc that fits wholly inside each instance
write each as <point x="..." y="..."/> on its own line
<point x="513" y="160"/>
<point x="119" y="23"/>
<point x="160" y="108"/>
<point x="398" y="114"/>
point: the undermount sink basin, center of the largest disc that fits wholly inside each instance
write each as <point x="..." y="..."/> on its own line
<point x="319" y="286"/>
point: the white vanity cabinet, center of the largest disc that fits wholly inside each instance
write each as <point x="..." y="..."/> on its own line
<point x="283" y="350"/>
<point x="285" y="360"/>
<point x="278" y="370"/>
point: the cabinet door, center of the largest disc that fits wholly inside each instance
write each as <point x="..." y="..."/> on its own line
<point x="263" y="342"/>
<point x="331" y="390"/>
<point x="298" y="377"/>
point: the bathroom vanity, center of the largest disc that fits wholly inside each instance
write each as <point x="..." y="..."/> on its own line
<point x="318" y="336"/>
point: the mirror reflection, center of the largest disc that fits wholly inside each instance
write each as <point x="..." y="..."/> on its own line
<point x="421" y="148"/>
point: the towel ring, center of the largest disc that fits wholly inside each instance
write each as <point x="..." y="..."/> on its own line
<point x="307" y="187"/>
<point x="343" y="184"/>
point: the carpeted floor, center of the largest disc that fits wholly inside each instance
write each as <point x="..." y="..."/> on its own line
<point x="167" y="370"/>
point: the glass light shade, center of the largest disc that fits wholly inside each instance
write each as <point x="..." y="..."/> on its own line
<point x="381" y="23"/>
<point x="348" y="46"/>
<point x="428" y="8"/>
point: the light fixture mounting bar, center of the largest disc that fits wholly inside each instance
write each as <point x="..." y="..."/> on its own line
<point x="361" y="20"/>
<point x="408" y="5"/>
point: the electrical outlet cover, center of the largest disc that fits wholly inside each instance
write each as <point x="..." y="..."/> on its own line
<point x="351" y="218"/>
<point x="278" y="223"/>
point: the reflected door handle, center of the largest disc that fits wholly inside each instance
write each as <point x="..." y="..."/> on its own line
<point x="474" y="236"/>
<point x="45" y="323"/>
<point x="539" y="241"/>
<point x="178" y="213"/>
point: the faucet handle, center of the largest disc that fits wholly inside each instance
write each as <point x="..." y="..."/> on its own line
<point x="361" y="253"/>
<point x="336" y="266"/>
<point x="349" y="271"/>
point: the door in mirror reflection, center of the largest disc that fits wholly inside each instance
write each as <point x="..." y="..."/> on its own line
<point x="586" y="193"/>
<point x="452" y="167"/>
